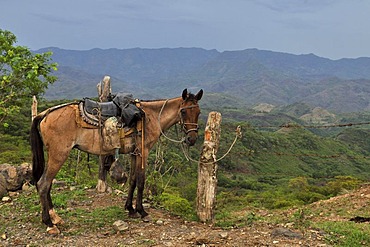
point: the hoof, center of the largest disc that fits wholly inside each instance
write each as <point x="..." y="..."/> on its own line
<point x="55" y="219"/>
<point x="53" y="230"/>
<point x="58" y="221"/>
<point x="102" y="187"/>
<point x="146" y="218"/>
<point x="134" y="215"/>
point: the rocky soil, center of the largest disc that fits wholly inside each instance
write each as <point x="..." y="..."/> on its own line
<point x="168" y="230"/>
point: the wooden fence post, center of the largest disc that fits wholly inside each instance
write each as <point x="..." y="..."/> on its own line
<point x="104" y="89"/>
<point x="207" y="169"/>
<point x="34" y="107"/>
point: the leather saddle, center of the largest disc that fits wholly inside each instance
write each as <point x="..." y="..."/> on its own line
<point x="103" y="109"/>
<point x="123" y="107"/>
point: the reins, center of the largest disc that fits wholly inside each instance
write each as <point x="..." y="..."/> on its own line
<point x="238" y="134"/>
<point x="186" y="154"/>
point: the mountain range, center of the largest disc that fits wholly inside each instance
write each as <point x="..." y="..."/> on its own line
<point x="243" y="78"/>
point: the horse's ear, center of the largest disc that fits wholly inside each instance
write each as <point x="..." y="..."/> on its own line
<point x="185" y="94"/>
<point x="199" y="95"/>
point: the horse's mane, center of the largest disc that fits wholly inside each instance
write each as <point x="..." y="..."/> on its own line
<point x="191" y="96"/>
<point x="152" y="100"/>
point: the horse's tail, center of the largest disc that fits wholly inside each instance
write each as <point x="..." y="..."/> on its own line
<point x="37" y="146"/>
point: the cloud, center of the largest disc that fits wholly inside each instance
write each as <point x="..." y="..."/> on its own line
<point x="295" y="6"/>
<point x="298" y="26"/>
<point x="59" y="19"/>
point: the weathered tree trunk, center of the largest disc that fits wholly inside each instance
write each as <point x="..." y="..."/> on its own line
<point x="34" y="107"/>
<point x="207" y="169"/>
<point x="104" y="89"/>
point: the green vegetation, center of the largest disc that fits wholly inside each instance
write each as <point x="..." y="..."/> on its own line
<point x="22" y="74"/>
<point x="280" y="163"/>
<point x="272" y="169"/>
<point x="346" y="233"/>
<point x="176" y="204"/>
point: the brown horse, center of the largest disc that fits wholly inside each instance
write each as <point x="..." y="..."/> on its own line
<point x="58" y="130"/>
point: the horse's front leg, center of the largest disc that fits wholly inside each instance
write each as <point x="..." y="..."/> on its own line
<point x="132" y="185"/>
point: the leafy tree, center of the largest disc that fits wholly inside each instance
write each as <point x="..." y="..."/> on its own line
<point x="22" y="74"/>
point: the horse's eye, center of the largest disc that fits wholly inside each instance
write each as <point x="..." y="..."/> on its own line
<point x="183" y="112"/>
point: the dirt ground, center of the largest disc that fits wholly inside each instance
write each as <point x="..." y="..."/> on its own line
<point x="169" y="230"/>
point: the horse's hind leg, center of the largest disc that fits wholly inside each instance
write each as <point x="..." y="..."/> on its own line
<point x="48" y="213"/>
<point x="49" y="216"/>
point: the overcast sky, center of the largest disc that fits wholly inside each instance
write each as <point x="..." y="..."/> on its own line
<point x="328" y="28"/>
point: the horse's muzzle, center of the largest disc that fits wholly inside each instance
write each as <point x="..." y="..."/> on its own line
<point x="191" y="139"/>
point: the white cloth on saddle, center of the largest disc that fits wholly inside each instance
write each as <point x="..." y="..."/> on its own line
<point x="111" y="137"/>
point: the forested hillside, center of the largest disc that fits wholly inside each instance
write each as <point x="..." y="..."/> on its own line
<point x="284" y="160"/>
<point x="304" y="119"/>
<point x="277" y="146"/>
<point x="249" y="76"/>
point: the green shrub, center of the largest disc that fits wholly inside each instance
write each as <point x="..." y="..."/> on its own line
<point x="308" y="197"/>
<point x="284" y="203"/>
<point x="176" y="204"/>
<point x="343" y="182"/>
<point x="14" y="150"/>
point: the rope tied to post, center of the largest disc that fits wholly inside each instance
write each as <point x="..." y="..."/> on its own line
<point x="238" y="135"/>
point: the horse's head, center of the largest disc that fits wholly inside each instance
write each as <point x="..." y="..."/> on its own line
<point x="189" y="113"/>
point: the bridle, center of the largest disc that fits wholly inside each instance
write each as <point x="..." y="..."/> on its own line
<point x="183" y="124"/>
